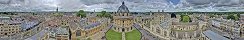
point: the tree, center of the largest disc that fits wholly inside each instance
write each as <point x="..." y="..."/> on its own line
<point x="81" y="14"/>
<point x="34" y="14"/>
<point x="238" y="15"/>
<point x="185" y="18"/>
<point x="57" y="14"/>
<point x="212" y="15"/>
<point x="101" y="14"/>
<point x="104" y="14"/>
<point x="233" y="17"/>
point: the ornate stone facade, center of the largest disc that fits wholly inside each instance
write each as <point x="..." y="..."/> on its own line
<point x="123" y="20"/>
<point x="166" y="28"/>
<point x="9" y="27"/>
<point x="241" y="25"/>
<point x="88" y="27"/>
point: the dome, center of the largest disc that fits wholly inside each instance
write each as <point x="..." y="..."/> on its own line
<point x="123" y="8"/>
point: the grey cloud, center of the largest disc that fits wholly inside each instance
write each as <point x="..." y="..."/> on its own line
<point x="112" y="5"/>
<point x="4" y="1"/>
<point x="199" y="2"/>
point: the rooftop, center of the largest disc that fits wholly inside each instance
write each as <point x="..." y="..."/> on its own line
<point x="92" y="25"/>
<point x="62" y="31"/>
<point x="181" y="23"/>
<point x="214" y="36"/>
<point x="164" y="25"/>
<point x="4" y="17"/>
<point x="123" y="8"/>
<point x="28" y="25"/>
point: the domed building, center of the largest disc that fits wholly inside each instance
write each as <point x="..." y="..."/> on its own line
<point x="123" y="20"/>
<point x="123" y="8"/>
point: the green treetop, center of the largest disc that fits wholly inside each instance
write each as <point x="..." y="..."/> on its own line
<point x="233" y="17"/>
<point x="104" y="14"/>
<point x="81" y="13"/>
<point x="185" y="18"/>
<point x="58" y="14"/>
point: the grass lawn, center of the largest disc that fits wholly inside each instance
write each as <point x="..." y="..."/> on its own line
<point x="112" y="35"/>
<point x="186" y="19"/>
<point x="133" y="35"/>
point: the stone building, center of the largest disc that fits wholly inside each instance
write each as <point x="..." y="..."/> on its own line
<point x="9" y="27"/>
<point x="62" y="34"/>
<point x="187" y="31"/>
<point x="241" y="24"/>
<point x="87" y="27"/>
<point x="42" y="35"/>
<point x="122" y="19"/>
<point x="166" y="28"/>
<point x="229" y="28"/>
<point x="18" y="27"/>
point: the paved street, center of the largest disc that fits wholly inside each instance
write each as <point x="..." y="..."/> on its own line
<point x="105" y="30"/>
<point x="145" y="34"/>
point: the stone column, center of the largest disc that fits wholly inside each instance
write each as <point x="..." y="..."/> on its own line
<point x="154" y="29"/>
<point x="176" y="34"/>
<point x="120" y="29"/>
<point x="162" y="32"/>
<point x="126" y="29"/>
<point x="186" y="35"/>
<point x="168" y="33"/>
<point x="130" y="28"/>
<point x="194" y="34"/>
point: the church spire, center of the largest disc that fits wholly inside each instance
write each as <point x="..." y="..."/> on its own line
<point x="57" y="9"/>
<point x="123" y="3"/>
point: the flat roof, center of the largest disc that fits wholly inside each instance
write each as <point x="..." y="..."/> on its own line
<point x="92" y="25"/>
<point x="27" y="25"/>
<point x="62" y="31"/>
<point x="214" y="36"/>
<point x="4" y="17"/>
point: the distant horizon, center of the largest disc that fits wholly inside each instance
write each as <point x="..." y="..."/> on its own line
<point x="112" y="5"/>
<point x="131" y="12"/>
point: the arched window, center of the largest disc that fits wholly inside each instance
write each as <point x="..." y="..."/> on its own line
<point x="78" y="33"/>
<point x="123" y="29"/>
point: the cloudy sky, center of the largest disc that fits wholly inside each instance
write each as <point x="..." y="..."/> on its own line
<point x="133" y="5"/>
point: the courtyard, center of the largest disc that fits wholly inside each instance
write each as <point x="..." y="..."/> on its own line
<point x="133" y="35"/>
<point x="112" y="35"/>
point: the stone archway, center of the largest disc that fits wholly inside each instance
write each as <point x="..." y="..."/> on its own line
<point x="123" y="29"/>
<point x="173" y="15"/>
